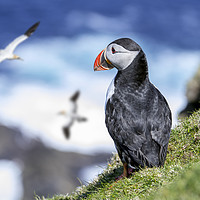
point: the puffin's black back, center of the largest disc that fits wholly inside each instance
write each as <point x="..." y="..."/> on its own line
<point x="138" y="117"/>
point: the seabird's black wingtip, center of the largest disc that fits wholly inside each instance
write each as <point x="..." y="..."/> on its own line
<point x="75" y="96"/>
<point x="66" y="132"/>
<point x="31" y="29"/>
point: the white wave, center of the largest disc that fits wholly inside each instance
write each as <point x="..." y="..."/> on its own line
<point x="35" y="110"/>
<point x="33" y="102"/>
<point x="55" y="67"/>
<point x="11" y="187"/>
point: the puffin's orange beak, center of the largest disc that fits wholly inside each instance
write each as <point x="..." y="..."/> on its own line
<point x="102" y="63"/>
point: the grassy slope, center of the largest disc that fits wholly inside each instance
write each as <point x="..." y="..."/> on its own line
<point x="152" y="183"/>
<point x="186" y="187"/>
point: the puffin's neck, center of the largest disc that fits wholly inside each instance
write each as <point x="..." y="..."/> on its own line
<point x="135" y="75"/>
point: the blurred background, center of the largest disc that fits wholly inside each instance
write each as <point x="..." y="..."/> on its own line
<point x="35" y="157"/>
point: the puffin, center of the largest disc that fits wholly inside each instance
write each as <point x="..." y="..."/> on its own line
<point x="137" y="115"/>
<point x="71" y="114"/>
<point x="7" y="52"/>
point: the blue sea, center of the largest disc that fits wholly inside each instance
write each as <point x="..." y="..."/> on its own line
<point x="59" y="56"/>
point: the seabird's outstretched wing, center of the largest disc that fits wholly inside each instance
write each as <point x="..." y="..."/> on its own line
<point x="75" y="96"/>
<point x="66" y="131"/>
<point x="81" y="119"/>
<point x="11" y="47"/>
<point x="73" y="102"/>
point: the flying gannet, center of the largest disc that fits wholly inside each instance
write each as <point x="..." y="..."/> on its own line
<point x="72" y="115"/>
<point x="7" y="53"/>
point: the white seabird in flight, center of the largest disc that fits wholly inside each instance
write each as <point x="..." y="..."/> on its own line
<point x="7" y="53"/>
<point x="72" y="115"/>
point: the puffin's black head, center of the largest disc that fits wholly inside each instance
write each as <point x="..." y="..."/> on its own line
<point x="119" y="54"/>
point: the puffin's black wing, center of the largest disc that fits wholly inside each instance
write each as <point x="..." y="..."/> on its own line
<point x="161" y="122"/>
<point x="140" y="128"/>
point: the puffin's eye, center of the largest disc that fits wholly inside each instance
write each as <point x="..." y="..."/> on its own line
<point x="113" y="50"/>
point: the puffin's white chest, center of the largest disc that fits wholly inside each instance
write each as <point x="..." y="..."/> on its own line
<point x="110" y="91"/>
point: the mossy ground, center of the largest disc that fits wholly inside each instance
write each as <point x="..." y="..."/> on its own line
<point x="180" y="173"/>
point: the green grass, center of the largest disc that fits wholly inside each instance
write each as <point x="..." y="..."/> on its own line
<point x="186" y="187"/>
<point x="178" y="177"/>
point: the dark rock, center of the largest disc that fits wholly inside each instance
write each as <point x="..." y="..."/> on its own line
<point x="46" y="171"/>
<point x="193" y="95"/>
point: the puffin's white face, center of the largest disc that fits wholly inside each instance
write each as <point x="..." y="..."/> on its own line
<point x="120" y="57"/>
<point x="119" y="54"/>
